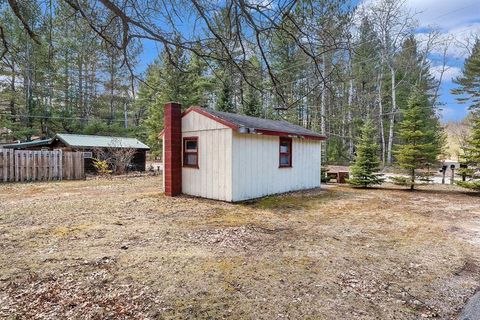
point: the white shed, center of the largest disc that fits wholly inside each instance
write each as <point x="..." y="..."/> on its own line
<point x="231" y="157"/>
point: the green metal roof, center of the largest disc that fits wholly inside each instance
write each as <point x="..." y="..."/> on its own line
<point x="83" y="141"/>
<point x="91" y="141"/>
<point x="22" y="145"/>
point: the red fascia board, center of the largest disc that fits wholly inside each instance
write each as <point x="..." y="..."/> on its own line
<point x="287" y="134"/>
<point x="235" y="127"/>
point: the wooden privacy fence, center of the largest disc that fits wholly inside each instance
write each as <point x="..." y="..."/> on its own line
<point x="21" y="165"/>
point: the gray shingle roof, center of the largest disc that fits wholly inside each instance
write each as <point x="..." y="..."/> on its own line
<point x="263" y="124"/>
<point x="91" y="141"/>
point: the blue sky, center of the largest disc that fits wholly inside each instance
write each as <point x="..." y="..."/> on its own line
<point x="457" y="20"/>
<point x="454" y="19"/>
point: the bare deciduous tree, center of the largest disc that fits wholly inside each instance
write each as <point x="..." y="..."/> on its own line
<point x="122" y="22"/>
<point x="117" y="156"/>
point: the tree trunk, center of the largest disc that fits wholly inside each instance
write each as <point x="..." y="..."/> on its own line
<point x="112" y="79"/>
<point x="392" y="117"/>
<point x="323" y="110"/>
<point x="80" y="88"/>
<point x="125" y="114"/>
<point x="380" y="111"/>
<point x="67" y="90"/>
<point x="28" y="90"/>
<point x="349" y="118"/>
<point x="12" y="106"/>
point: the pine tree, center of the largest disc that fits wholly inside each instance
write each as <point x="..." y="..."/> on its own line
<point x="225" y="95"/>
<point x="252" y="105"/>
<point x="469" y="81"/>
<point x="252" y="100"/>
<point x="165" y="81"/>
<point x="367" y="162"/>
<point x="421" y="141"/>
<point x="172" y="77"/>
<point x="148" y="98"/>
<point x="198" y="84"/>
<point x="469" y="92"/>
<point x="471" y="155"/>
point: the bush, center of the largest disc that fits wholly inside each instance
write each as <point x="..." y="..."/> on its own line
<point x="474" y="185"/>
<point x="102" y="167"/>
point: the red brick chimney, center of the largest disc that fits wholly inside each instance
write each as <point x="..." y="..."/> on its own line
<point x="172" y="120"/>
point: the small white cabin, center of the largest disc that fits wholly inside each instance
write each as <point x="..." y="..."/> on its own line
<point x="231" y="157"/>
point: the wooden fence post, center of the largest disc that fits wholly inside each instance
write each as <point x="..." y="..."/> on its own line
<point x="40" y="165"/>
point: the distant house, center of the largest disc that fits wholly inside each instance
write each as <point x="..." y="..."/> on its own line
<point x="232" y="157"/>
<point x="89" y="144"/>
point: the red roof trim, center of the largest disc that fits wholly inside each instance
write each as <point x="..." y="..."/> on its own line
<point x="235" y="127"/>
<point x="287" y="134"/>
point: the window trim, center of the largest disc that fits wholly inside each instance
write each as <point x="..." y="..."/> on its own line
<point x="280" y="153"/>
<point x="87" y="155"/>
<point x="185" y="152"/>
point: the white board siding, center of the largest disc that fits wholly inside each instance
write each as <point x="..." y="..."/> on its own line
<point x="213" y="178"/>
<point x="255" y="166"/>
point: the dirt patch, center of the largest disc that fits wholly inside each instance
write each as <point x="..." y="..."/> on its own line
<point x="120" y="249"/>
<point x="93" y="296"/>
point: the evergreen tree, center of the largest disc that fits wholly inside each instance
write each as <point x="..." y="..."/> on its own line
<point x="148" y="98"/>
<point x="288" y="60"/>
<point x="252" y="105"/>
<point x="421" y="141"/>
<point x="165" y="81"/>
<point x="172" y="77"/>
<point x="469" y="92"/>
<point x="469" y="81"/>
<point x="471" y="155"/>
<point x="252" y="101"/>
<point x="367" y="162"/>
<point x="225" y="95"/>
<point x="199" y="84"/>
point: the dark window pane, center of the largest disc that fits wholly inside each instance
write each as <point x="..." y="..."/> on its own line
<point x="191" y="144"/>
<point x="284" y="159"/>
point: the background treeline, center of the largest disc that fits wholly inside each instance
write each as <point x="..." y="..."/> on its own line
<point x="368" y="61"/>
<point x="68" y="80"/>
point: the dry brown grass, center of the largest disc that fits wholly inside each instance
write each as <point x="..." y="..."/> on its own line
<point x="120" y="249"/>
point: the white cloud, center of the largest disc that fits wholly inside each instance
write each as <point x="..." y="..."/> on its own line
<point x="445" y="14"/>
<point x="456" y="20"/>
<point x="458" y="41"/>
<point x="449" y="73"/>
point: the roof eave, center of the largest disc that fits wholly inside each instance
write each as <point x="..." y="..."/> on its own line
<point x="289" y="134"/>
<point x="236" y="127"/>
<point x="22" y="145"/>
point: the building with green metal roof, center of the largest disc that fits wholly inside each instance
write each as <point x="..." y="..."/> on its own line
<point x="90" y="145"/>
<point x="91" y="141"/>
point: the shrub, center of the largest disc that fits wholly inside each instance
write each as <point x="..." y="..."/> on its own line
<point x="102" y="167"/>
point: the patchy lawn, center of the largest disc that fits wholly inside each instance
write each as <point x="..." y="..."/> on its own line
<point x="120" y="249"/>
